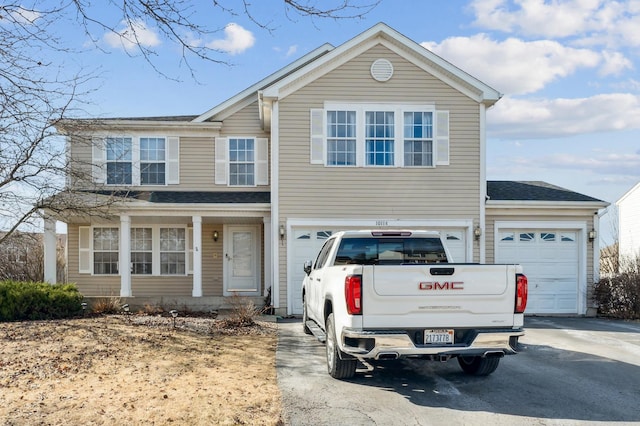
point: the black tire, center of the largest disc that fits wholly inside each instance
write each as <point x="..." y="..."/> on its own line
<point x="477" y="365"/>
<point x="337" y="367"/>
<point x="305" y="316"/>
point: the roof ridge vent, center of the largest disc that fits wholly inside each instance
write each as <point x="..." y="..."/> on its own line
<point x="381" y="70"/>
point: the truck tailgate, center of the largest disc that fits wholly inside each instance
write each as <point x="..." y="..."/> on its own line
<point x="443" y="295"/>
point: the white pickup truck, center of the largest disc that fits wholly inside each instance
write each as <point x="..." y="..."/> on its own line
<point x="383" y="294"/>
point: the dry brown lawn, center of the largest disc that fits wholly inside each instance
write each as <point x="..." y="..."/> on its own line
<point x="112" y="370"/>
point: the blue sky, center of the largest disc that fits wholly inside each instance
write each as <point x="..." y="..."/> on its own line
<point x="568" y="70"/>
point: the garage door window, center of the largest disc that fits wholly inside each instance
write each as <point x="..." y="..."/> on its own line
<point x="547" y="236"/>
<point x="527" y="236"/>
<point x="568" y="238"/>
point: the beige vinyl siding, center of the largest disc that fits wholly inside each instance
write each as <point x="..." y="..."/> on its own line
<point x="314" y="191"/>
<point x="80" y="159"/>
<point x="441" y="192"/>
<point x="245" y="122"/>
<point x="533" y="215"/>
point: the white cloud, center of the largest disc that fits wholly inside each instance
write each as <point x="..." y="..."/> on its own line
<point x="237" y="40"/>
<point x="589" y="22"/>
<point x="292" y="50"/>
<point x="24" y="16"/>
<point x="514" y="66"/>
<point x="614" y="63"/>
<point x="132" y="35"/>
<point x="540" y="119"/>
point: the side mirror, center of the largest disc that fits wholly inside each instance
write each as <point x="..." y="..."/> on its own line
<point x="307" y="267"/>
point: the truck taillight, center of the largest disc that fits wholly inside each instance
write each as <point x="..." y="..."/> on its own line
<point x="353" y="294"/>
<point x="522" y="291"/>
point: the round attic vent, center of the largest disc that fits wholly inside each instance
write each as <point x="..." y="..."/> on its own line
<point x="381" y="70"/>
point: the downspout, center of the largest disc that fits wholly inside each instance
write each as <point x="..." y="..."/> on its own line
<point x="275" y="210"/>
<point x="483" y="183"/>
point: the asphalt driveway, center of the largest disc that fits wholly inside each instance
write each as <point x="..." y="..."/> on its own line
<point x="569" y="371"/>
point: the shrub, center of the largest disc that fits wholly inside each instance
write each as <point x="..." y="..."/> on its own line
<point x="36" y="300"/>
<point x="619" y="297"/>
<point x="243" y="312"/>
<point x="106" y="305"/>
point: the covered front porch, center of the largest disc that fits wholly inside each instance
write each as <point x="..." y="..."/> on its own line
<point x="191" y="254"/>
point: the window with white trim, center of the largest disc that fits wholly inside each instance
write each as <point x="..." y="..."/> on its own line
<point x="379" y="139"/>
<point x="136" y="160"/>
<point x="152" y="161"/>
<point x="119" y="161"/>
<point x="374" y="135"/>
<point x="242" y="162"/>
<point x="341" y="138"/>
<point x="173" y="246"/>
<point x="105" y="251"/>
<point x="142" y="251"/>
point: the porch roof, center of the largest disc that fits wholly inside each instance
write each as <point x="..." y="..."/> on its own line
<point x="194" y="197"/>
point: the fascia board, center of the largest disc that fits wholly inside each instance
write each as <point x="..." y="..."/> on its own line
<point x="248" y="92"/>
<point x="106" y="126"/>
<point x="403" y="46"/>
<point x="550" y="205"/>
<point x="627" y="194"/>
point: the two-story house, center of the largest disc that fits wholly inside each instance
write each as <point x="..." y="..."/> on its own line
<point x="375" y="133"/>
<point x="629" y="227"/>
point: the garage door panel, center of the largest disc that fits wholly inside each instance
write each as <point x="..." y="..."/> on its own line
<point x="550" y="262"/>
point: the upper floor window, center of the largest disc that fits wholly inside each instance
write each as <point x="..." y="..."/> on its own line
<point x="119" y="161"/>
<point x="380" y="136"/>
<point x="373" y="135"/>
<point x="152" y="161"/>
<point x="242" y="162"/>
<point x="341" y="138"/>
<point x="137" y="160"/>
<point x="418" y="139"/>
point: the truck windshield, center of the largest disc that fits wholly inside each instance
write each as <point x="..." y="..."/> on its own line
<point x="390" y="251"/>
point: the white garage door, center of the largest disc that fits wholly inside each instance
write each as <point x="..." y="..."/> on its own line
<point x="307" y="242"/>
<point x="551" y="263"/>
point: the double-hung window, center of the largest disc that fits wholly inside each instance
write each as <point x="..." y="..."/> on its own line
<point x="142" y="251"/>
<point x="105" y="251"/>
<point x="380" y="135"/>
<point x="341" y="138"/>
<point x="119" y="161"/>
<point x="173" y="246"/>
<point x="418" y="139"/>
<point x="242" y="161"/>
<point x="152" y="161"/>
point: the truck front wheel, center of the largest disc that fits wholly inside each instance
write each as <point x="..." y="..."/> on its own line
<point x="338" y="368"/>
<point x="477" y="365"/>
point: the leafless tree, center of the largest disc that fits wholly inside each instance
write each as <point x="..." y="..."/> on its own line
<point x="37" y="90"/>
<point x="21" y="258"/>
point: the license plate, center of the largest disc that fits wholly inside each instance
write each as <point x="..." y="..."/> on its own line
<point x="438" y="337"/>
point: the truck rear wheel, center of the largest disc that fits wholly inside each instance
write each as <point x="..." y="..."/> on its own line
<point x="477" y="365"/>
<point x="338" y="368"/>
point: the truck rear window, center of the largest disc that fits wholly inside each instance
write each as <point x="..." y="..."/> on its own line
<point x="390" y="251"/>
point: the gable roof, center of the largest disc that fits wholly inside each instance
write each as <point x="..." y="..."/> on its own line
<point x="535" y="191"/>
<point x="381" y="33"/>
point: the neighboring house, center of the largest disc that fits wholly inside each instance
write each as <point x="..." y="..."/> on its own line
<point x="375" y="133"/>
<point x="629" y="225"/>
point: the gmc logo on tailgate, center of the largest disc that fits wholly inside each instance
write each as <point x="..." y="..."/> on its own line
<point x="435" y="285"/>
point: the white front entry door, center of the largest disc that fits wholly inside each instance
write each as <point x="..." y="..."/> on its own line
<point x="241" y="261"/>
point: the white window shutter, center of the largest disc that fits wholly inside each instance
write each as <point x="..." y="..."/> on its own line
<point x="442" y="138"/>
<point x="262" y="161"/>
<point x="98" y="160"/>
<point x="317" y="136"/>
<point x="222" y="155"/>
<point x="84" y="250"/>
<point x="173" y="160"/>
<point x="136" y="178"/>
<point x="190" y="251"/>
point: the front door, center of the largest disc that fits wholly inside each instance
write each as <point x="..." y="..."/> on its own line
<point x="241" y="261"/>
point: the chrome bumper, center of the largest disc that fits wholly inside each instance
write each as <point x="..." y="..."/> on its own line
<point x="388" y="343"/>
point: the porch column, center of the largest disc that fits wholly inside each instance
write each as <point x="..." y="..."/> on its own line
<point x="125" y="256"/>
<point x="266" y="243"/>
<point x="50" y="250"/>
<point x="197" y="256"/>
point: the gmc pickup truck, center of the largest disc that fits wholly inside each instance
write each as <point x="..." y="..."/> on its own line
<point x="383" y="294"/>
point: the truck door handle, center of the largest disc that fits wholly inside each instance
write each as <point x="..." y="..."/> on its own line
<point x="318" y="279"/>
<point x="442" y="271"/>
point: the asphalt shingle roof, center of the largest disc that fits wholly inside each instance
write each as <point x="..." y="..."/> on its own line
<point x="193" y="197"/>
<point x="532" y="191"/>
